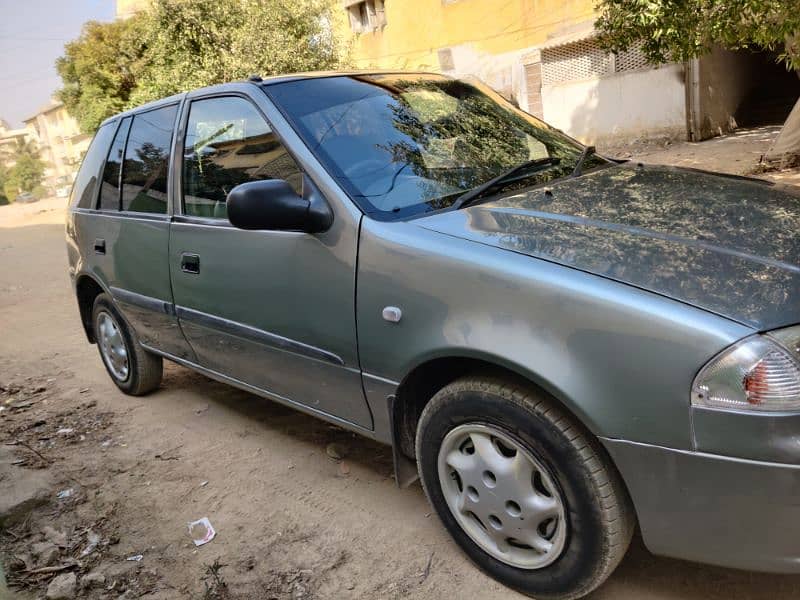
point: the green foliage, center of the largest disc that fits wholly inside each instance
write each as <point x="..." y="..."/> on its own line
<point x="100" y="69"/>
<point x="672" y="30"/>
<point x="27" y="172"/>
<point x="3" y="178"/>
<point x="178" y="45"/>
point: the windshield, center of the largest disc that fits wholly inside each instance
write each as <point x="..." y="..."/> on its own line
<point x="402" y="144"/>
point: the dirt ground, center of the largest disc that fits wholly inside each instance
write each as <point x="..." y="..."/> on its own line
<point x="291" y="521"/>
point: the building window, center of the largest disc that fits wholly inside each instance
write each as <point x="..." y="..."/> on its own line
<point x="633" y="59"/>
<point x="366" y="15"/>
<point x="570" y="62"/>
<point x="585" y="59"/>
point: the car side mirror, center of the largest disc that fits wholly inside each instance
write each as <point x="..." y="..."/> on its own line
<point x="274" y="205"/>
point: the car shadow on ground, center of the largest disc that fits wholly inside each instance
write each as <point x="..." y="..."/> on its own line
<point x="640" y="575"/>
<point x="274" y="418"/>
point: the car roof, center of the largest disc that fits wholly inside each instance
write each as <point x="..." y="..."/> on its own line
<point x="266" y="81"/>
<point x="321" y="74"/>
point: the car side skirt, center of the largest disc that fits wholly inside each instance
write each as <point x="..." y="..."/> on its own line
<point x="266" y="394"/>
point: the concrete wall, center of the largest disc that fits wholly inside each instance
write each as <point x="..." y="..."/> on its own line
<point x="416" y="29"/>
<point x="725" y="78"/>
<point x="620" y="107"/>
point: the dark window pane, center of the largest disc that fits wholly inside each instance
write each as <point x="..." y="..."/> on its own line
<point x="144" y="177"/>
<point x="84" y="190"/>
<point x="227" y="143"/>
<point x="109" y="189"/>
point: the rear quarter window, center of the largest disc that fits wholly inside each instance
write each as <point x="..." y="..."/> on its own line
<point x="84" y="190"/>
<point x="144" y="173"/>
<point x="109" y="183"/>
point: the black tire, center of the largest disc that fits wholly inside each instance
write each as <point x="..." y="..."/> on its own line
<point x="599" y="517"/>
<point x="145" y="369"/>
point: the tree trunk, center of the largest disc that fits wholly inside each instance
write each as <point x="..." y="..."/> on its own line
<point x="785" y="151"/>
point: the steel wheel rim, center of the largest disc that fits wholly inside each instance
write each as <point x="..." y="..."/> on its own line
<point x="502" y="496"/>
<point x="112" y="346"/>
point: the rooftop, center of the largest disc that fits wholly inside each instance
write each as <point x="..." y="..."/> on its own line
<point x="51" y="105"/>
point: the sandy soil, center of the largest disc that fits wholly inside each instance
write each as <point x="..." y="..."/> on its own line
<point x="44" y="212"/>
<point x="291" y="521"/>
<point x="738" y="153"/>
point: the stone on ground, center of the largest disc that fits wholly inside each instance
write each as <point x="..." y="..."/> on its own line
<point x="62" y="587"/>
<point x="21" y="489"/>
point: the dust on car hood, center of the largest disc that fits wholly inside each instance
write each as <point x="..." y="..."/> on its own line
<point x="726" y="244"/>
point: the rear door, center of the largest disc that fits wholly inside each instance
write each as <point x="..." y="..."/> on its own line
<point x="270" y="309"/>
<point x="128" y="233"/>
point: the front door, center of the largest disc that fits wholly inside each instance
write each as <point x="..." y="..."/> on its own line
<point x="270" y="309"/>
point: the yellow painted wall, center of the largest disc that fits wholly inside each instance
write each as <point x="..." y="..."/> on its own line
<point x="416" y="29"/>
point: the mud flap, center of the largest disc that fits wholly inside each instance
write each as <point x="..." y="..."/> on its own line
<point x="405" y="469"/>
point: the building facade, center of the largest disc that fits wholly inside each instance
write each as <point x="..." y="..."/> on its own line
<point x="60" y="141"/>
<point x="128" y="8"/>
<point x="9" y="138"/>
<point x="543" y="54"/>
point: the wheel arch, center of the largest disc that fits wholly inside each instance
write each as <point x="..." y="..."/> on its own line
<point x="428" y="376"/>
<point x="87" y="288"/>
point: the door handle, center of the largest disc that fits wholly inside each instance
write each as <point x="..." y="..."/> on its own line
<point x="99" y="246"/>
<point x="190" y="263"/>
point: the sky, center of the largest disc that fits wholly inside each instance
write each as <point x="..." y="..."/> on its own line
<point x="32" y="36"/>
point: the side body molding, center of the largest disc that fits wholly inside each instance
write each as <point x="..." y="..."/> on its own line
<point x="256" y="335"/>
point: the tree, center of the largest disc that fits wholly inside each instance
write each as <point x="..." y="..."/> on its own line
<point x="27" y="172"/>
<point x="178" y="45"/>
<point x="679" y="31"/>
<point x="203" y="42"/>
<point x="3" y="179"/>
<point x="100" y="70"/>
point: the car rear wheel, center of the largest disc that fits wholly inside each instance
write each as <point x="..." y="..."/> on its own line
<point x="528" y="495"/>
<point x="132" y="368"/>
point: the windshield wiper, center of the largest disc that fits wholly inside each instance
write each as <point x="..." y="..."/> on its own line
<point x="470" y="196"/>
<point x="587" y="152"/>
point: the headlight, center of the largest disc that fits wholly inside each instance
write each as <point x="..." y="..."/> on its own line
<point x="761" y="372"/>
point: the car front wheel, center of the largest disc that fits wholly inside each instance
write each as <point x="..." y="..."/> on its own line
<point x="527" y="493"/>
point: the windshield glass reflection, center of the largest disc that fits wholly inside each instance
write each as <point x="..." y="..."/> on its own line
<point x="404" y="144"/>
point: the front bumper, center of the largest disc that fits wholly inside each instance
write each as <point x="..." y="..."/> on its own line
<point x="713" y="509"/>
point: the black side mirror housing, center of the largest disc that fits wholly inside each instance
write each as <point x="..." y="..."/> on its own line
<point x="273" y="204"/>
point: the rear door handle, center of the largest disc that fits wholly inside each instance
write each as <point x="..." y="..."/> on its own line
<point x="190" y="263"/>
<point x="99" y="246"/>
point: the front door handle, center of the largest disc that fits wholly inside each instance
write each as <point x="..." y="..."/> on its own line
<point x="190" y="263"/>
<point x="99" y="246"/>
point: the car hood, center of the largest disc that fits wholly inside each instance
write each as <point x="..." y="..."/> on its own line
<point x="727" y="244"/>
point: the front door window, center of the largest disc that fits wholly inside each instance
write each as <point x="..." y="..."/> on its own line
<point x="227" y="143"/>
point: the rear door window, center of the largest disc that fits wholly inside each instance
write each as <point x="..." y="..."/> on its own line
<point x="146" y="166"/>
<point x="228" y="143"/>
<point x="84" y="190"/>
<point x="109" y="187"/>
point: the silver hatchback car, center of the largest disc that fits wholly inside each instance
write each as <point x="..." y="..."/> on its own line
<point x="561" y="346"/>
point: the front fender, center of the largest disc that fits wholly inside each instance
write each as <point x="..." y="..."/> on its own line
<point x="621" y="359"/>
